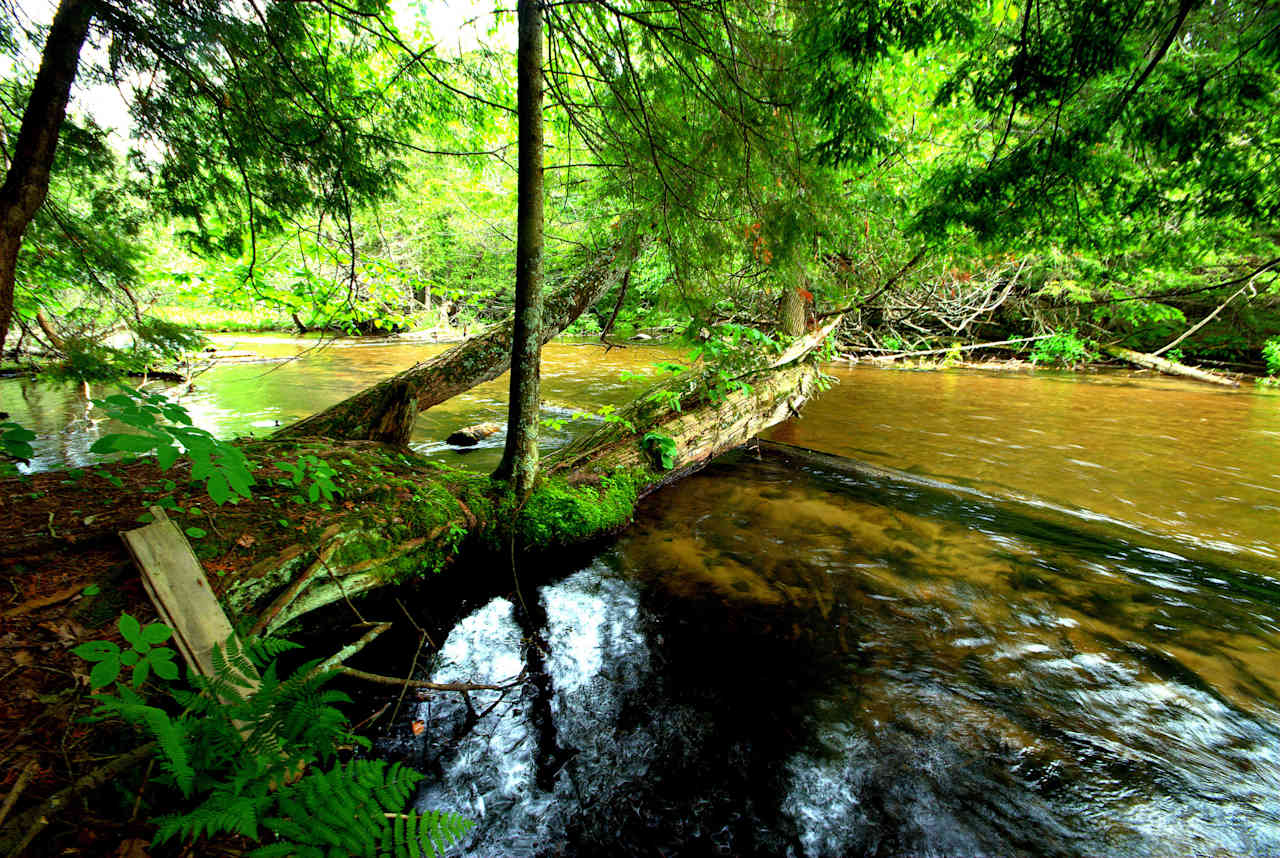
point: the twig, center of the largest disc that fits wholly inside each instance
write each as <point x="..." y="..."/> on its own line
<point x="24" y="778"/>
<point x="608" y="328"/>
<point x="146" y="779"/>
<point x="968" y="348"/>
<point x="413" y="665"/>
<point x="44" y="601"/>
<point x="382" y="679"/>
<point x="911" y="263"/>
<point x="351" y="649"/>
<point x="39" y="818"/>
<point x="1206" y="320"/>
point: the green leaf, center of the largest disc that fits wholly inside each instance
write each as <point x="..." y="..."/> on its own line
<point x="162" y="663"/>
<point x="92" y="590"/>
<point x="218" y="489"/>
<point x="128" y="443"/>
<point x="129" y="657"/>
<point x="104" y="673"/>
<point x="166" y="455"/>
<point x="140" y="672"/>
<point x="196" y="533"/>
<point x="97" y="650"/>
<point x="156" y="633"/>
<point x="130" y="629"/>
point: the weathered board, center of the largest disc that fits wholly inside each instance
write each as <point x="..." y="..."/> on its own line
<point x="177" y="584"/>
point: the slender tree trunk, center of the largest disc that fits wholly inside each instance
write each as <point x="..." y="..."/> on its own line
<point x="26" y="183"/>
<point x="520" y="458"/>
<point x="791" y="312"/>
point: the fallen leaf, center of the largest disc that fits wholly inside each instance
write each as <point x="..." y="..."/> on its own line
<point x="69" y="632"/>
<point x="24" y="658"/>
<point x="133" y="848"/>
<point x="418" y="727"/>
<point x="246" y="540"/>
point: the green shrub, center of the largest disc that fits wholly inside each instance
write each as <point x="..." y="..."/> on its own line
<point x="1271" y="354"/>
<point x="1064" y="348"/>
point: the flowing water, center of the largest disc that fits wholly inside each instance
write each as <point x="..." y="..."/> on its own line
<point x="1047" y="624"/>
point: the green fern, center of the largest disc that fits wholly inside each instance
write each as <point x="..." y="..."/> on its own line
<point x="238" y="742"/>
<point x="356" y="809"/>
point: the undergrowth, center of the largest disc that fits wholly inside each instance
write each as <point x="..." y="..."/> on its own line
<point x="255" y="753"/>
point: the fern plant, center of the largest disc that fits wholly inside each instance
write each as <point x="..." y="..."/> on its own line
<point x="254" y="753"/>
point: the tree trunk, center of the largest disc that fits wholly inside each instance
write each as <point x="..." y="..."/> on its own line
<point x="385" y="412"/>
<point x="519" y="464"/>
<point x="791" y="312"/>
<point x="26" y="184"/>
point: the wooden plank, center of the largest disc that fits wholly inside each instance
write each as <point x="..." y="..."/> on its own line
<point x="177" y="584"/>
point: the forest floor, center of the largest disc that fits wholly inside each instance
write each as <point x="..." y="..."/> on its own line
<point x="66" y="579"/>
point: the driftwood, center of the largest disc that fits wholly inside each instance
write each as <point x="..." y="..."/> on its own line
<point x="1169" y="367"/>
<point x="386" y="411"/>
<point x="472" y="435"/>
<point x="176" y="583"/>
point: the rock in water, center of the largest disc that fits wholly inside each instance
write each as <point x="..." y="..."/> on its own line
<point x="472" y="435"/>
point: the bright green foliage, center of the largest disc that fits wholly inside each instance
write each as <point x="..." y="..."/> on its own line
<point x="239" y="742"/>
<point x="145" y="654"/>
<point x="312" y="474"/>
<point x="346" y="808"/>
<point x="558" y="514"/>
<point x="219" y="464"/>
<point x="1271" y="354"/>
<point x="661" y="448"/>
<point x="155" y="343"/>
<point x="15" y="442"/>
<point x="1064" y="348"/>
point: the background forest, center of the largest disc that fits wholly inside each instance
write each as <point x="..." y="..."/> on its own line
<point x="955" y="172"/>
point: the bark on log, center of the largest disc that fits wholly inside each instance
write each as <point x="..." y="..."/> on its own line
<point x="386" y="411"/>
<point x="1167" y="366"/>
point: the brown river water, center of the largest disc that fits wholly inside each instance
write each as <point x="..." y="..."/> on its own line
<point x="1048" y="624"/>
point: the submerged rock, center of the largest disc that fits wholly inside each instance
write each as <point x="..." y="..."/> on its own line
<point x="472" y="435"/>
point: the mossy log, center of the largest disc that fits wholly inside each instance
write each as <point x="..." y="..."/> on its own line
<point x="399" y="516"/>
<point x="386" y="411"/>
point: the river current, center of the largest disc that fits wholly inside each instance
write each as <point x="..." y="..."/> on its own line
<point x="1047" y="624"/>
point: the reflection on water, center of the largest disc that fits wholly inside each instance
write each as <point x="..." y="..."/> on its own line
<point x="780" y="663"/>
<point x="255" y="398"/>
<point x="1170" y="456"/>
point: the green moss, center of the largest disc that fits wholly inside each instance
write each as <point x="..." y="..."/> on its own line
<point x="558" y="514"/>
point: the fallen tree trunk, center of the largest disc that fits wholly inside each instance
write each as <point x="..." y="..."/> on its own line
<point x="398" y="515"/>
<point x="1169" y="367"/>
<point x="386" y="411"/>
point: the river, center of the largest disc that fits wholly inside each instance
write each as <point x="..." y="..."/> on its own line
<point x="1049" y="624"/>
